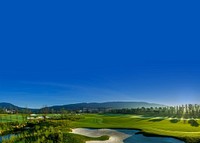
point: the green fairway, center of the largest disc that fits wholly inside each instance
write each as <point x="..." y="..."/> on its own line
<point x="11" y="118"/>
<point x="184" y="129"/>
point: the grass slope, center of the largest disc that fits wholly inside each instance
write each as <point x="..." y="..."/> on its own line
<point x="187" y="130"/>
<point x="11" y="118"/>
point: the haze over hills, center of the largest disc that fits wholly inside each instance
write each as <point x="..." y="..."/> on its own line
<point x="8" y="105"/>
<point x="80" y="106"/>
<point x="113" y="105"/>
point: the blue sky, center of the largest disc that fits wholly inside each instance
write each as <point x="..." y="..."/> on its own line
<point x="95" y="51"/>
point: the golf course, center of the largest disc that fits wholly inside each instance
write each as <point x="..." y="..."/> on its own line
<point x="184" y="129"/>
<point x="170" y="124"/>
<point x="73" y="127"/>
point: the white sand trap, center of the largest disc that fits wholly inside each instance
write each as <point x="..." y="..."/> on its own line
<point x="115" y="136"/>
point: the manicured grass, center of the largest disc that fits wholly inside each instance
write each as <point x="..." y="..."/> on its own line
<point x="187" y="130"/>
<point x="19" y="117"/>
<point x="11" y="118"/>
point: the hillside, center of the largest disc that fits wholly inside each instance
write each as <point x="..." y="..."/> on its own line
<point x="8" y="105"/>
<point x="113" y="105"/>
<point x="81" y="106"/>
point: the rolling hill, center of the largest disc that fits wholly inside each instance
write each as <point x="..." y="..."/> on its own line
<point x="8" y="106"/>
<point x="81" y="106"/>
<point x="112" y="105"/>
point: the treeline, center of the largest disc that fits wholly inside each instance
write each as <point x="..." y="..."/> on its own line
<point x="51" y="130"/>
<point x="185" y="111"/>
<point x="2" y="111"/>
<point x="43" y="132"/>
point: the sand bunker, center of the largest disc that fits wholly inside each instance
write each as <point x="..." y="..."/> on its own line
<point x="115" y="136"/>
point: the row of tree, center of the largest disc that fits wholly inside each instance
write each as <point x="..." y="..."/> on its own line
<point x="185" y="111"/>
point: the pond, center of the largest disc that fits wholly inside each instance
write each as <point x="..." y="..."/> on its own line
<point x="119" y="136"/>
<point x="5" y="137"/>
<point x="140" y="138"/>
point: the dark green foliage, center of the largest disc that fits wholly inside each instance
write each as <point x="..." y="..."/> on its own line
<point x="44" y="131"/>
<point x="194" y="123"/>
<point x="184" y="111"/>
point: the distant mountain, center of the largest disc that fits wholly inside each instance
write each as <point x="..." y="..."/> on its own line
<point x="82" y="106"/>
<point x="112" y="105"/>
<point x="8" y="106"/>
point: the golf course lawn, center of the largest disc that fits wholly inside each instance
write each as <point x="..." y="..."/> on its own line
<point x="11" y="118"/>
<point x="188" y="130"/>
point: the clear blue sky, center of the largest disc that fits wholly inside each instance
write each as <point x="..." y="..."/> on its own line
<point x="58" y="52"/>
